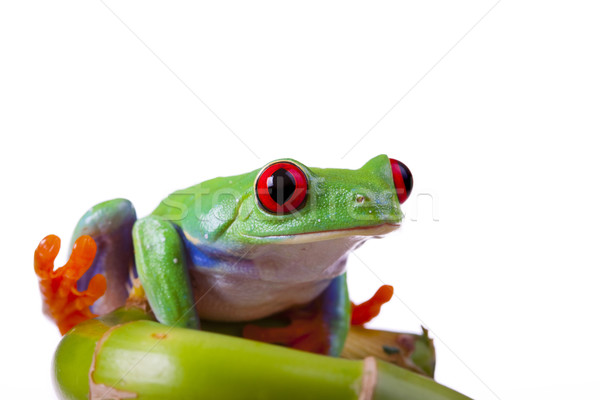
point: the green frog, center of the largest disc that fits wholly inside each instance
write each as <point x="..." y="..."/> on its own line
<point x="238" y="249"/>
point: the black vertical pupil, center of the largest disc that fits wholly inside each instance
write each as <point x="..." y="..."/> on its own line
<point x="406" y="177"/>
<point x="281" y="185"/>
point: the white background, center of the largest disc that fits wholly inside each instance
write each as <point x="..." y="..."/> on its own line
<point x="498" y="126"/>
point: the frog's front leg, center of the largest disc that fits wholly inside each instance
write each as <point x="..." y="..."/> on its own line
<point x="162" y="269"/>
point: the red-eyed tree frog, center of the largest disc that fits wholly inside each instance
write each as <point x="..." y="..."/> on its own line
<point x="236" y="249"/>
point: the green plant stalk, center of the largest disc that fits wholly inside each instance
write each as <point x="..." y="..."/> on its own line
<point x="125" y="355"/>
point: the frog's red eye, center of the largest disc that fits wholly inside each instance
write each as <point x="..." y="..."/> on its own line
<point x="403" y="180"/>
<point x="281" y="188"/>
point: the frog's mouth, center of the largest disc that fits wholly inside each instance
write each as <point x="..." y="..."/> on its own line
<point x="317" y="236"/>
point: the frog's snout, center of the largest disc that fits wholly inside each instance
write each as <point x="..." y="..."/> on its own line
<point x="403" y="180"/>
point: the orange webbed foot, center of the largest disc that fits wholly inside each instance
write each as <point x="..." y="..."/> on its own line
<point x="62" y="301"/>
<point x="307" y="331"/>
<point x="365" y="312"/>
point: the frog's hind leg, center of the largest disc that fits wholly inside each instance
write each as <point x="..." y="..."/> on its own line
<point x="110" y="225"/>
<point x="320" y="327"/>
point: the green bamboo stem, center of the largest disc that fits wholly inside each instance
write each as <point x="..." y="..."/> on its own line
<point x="124" y="355"/>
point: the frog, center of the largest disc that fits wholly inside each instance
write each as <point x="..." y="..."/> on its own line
<point x="237" y="249"/>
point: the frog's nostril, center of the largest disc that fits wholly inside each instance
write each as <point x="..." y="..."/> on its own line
<point x="403" y="180"/>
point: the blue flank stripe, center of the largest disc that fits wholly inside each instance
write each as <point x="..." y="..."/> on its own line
<point x="201" y="258"/>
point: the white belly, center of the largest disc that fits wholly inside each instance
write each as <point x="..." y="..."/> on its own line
<point x="226" y="297"/>
<point x="270" y="278"/>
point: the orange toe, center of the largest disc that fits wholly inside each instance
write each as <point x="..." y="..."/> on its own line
<point x="62" y="301"/>
<point x="365" y="312"/>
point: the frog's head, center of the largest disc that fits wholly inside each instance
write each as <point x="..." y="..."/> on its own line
<point x="292" y="203"/>
<point x="299" y="222"/>
<point x="307" y="219"/>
